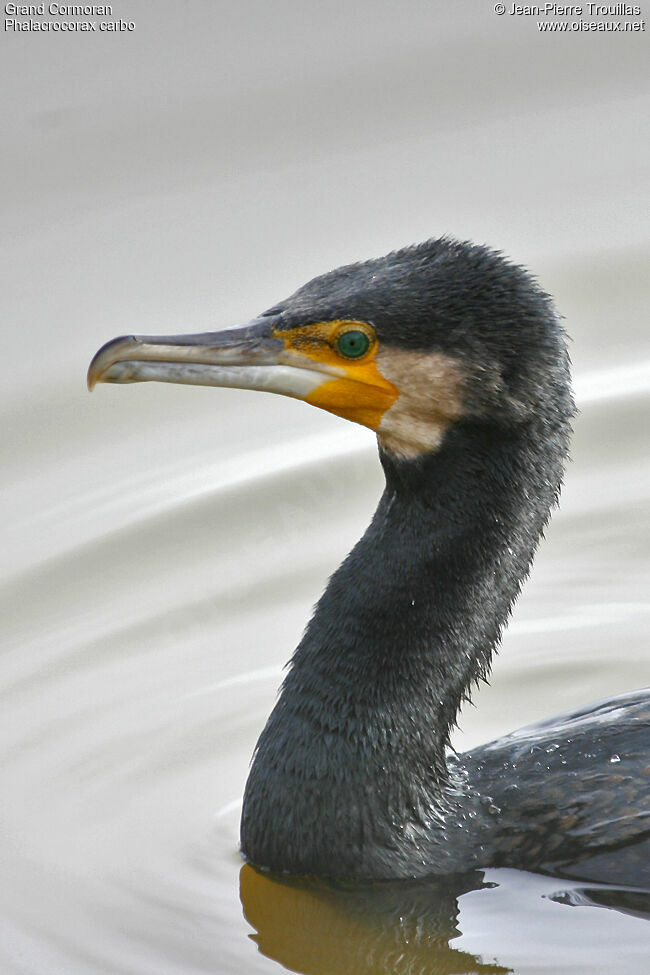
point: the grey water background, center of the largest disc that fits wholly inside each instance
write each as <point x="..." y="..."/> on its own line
<point x="162" y="546"/>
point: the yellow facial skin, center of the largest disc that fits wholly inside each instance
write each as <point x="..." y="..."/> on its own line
<point x="357" y="391"/>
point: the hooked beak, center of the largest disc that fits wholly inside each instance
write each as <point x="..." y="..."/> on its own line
<point x="260" y="355"/>
<point x="248" y="357"/>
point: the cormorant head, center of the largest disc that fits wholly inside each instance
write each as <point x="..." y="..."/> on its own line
<point x="432" y="335"/>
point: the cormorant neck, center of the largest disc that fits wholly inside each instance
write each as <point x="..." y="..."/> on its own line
<point x="350" y="776"/>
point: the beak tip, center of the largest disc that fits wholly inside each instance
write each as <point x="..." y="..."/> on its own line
<point x="105" y="357"/>
<point x="91" y="378"/>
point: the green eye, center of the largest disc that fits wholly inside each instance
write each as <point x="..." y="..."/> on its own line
<point x="353" y="344"/>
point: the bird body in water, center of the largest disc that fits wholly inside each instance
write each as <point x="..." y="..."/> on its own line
<point x="457" y="360"/>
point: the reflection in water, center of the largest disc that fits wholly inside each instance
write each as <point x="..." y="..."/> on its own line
<point x="626" y="900"/>
<point x="398" y="928"/>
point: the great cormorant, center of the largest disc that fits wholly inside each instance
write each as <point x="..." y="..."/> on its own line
<point x="457" y="360"/>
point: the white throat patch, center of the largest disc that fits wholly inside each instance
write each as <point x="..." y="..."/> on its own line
<point x="430" y="398"/>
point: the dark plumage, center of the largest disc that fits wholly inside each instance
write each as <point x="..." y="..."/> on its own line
<point x="351" y="776"/>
